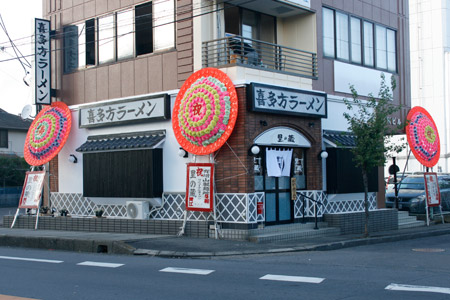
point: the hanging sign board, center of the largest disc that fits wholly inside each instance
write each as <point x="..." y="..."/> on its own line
<point x="199" y="187"/>
<point x="139" y="110"/>
<point x="432" y="189"/>
<point x="286" y="101"/>
<point x="32" y="188"/>
<point x="42" y="61"/>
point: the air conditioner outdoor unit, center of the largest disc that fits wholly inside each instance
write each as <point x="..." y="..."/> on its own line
<point x="138" y="210"/>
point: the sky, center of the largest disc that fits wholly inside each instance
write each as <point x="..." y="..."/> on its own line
<point x="18" y="17"/>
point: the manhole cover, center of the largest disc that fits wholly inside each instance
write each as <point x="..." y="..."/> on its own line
<point x="429" y="250"/>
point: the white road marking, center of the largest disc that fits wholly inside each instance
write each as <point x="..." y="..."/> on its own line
<point x="417" y="288"/>
<point x="99" y="264"/>
<point x="292" y="278"/>
<point x="32" y="259"/>
<point x="187" y="271"/>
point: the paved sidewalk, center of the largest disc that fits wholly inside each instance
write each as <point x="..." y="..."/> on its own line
<point x="173" y="246"/>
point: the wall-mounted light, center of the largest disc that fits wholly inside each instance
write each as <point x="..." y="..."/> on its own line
<point x="254" y="150"/>
<point x="182" y="153"/>
<point x="311" y="124"/>
<point x="323" y="154"/>
<point x="262" y="123"/>
<point x="73" y="159"/>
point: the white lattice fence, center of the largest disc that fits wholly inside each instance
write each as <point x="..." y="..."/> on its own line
<point x="77" y="205"/>
<point x="173" y="208"/>
<point x="350" y="205"/>
<point x="304" y="206"/>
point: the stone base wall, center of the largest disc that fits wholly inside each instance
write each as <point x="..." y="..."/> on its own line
<point x="193" y="229"/>
<point x="354" y="222"/>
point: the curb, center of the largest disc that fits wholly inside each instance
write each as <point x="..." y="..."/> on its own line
<point x="319" y="247"/>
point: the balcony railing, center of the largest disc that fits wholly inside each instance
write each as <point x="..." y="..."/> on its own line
<point x="237" y="50"/>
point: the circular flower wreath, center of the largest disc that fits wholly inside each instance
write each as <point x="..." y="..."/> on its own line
<point x="205" y="111"/>
<point x="47" y="134"/>
<point x="423" y="136"/>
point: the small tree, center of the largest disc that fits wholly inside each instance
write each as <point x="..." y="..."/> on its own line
<point x="368" y="120"/>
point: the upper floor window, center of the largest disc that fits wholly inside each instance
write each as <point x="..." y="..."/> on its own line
<point x="3" y="138"/>
<point x="147" y="28"/>
<point x="350" y="39"/>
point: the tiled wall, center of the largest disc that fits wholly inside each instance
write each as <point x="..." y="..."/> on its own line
<point x="353" y="223"/>
<point x="193" y="229"/>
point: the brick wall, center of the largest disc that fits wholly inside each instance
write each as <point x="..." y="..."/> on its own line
<point x="231" y="176"/>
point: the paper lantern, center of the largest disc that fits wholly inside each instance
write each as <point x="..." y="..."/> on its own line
<point x="205" y="111"/>
<point x="423" y="136"/>
<point x="47" y="134"/>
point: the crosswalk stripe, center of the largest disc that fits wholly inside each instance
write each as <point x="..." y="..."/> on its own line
<point x="417" y="288"/>
<point x="292" y="278"/>
<point x="32" y="259"/>
<point x="99" y="264"/>
<point x="187" y="271"/>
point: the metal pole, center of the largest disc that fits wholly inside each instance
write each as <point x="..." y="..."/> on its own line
<point x="315" y="215"/>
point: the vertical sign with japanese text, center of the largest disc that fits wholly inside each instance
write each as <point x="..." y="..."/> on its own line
<point x="32" y="188"/>
<point x="199" y="187"/>
<point x="432" y="189"/>
<point x="42" y="61"/>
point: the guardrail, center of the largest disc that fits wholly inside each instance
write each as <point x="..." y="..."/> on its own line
<point x="237" y="50"/>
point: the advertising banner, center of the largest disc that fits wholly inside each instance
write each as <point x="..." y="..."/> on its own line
<point x="199" y="187"/>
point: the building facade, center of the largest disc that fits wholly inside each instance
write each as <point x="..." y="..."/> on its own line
<point x="119" y="66"/>
<point x="429" y="25"/>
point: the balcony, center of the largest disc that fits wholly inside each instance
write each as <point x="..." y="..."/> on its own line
<point x="239" y="51"/>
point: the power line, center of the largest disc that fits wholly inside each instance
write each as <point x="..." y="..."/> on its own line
<point x="153" y="26"/>
<point x="179" y="11"/>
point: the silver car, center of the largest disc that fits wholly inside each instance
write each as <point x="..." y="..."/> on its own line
<point x="411" y="194"/>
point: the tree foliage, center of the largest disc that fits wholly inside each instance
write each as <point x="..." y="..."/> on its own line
<point x="368" y="121"/>
<point x="12" y="171"/>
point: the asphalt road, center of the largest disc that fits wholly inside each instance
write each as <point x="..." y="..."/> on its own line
<point x="413" y="269"/>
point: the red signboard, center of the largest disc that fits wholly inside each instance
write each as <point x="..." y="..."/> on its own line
<point x="199" y="187"/>
<point x="432" y="189"/>
<point x="32" y="188"/>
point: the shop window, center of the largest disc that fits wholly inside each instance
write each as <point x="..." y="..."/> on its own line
<point x="147" y="28"/>
<point x="368" y="44"/>
<point x="343" y="176"/>
<point x="3" y="138"/>
<point x="328" y="32"/>
<point x="249" y="24"/>
<point x="342" y="39"/>
<point x="144" y="32"/>
<point x="79" y="45"/>
<point x="355" y="37"/>
<point x="123" y="174"/>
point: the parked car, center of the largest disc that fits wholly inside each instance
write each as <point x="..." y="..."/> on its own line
<point x="390" y="182"/>
<point x="411" y="194"/>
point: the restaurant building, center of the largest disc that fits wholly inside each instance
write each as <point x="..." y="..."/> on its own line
<point x="119" y="66"/>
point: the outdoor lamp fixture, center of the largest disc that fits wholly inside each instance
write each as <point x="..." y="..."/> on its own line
<point x="254" y="150"/>
<point x="262" y="122"/>
<point x="323" y="154"/>
<point x="73" y="159"/>
<point x="182" y="153"/>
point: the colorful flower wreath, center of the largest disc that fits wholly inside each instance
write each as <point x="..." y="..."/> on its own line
<point x="47" y="134"/>
<point x="423" y="136"/>
<point x="205" y="111"/>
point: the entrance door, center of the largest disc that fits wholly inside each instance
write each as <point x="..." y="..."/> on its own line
<point x="279" y="207"/>
<point x="278" y="203"/>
